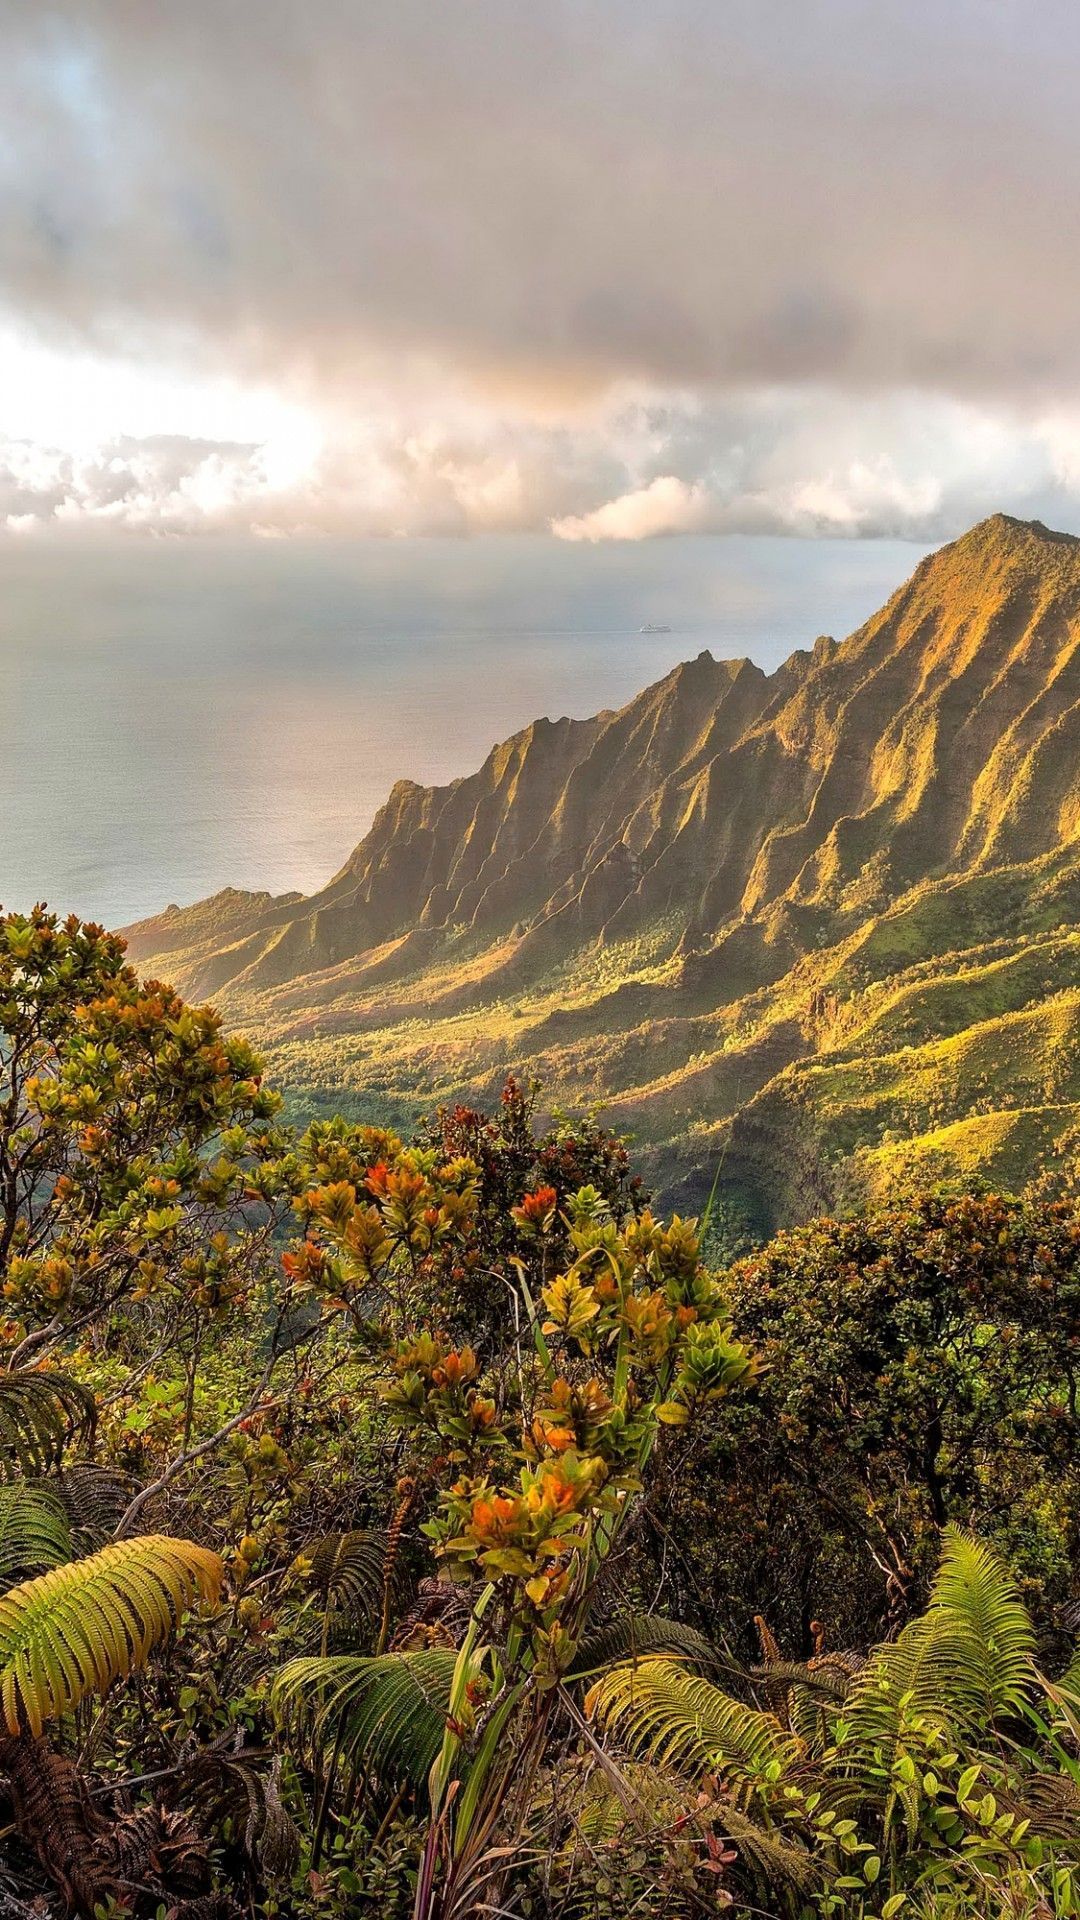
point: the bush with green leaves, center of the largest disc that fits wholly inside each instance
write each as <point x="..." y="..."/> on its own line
<point x="920" y="1365"/>
<point x="532" y="1446"/>
<point x="477" y="1440"/>
<point x="941" y="1768"/>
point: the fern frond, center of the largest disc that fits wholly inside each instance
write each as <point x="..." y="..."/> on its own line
<point x="75" y="1630"/>
<point x="995" y="1638"/>
<point x="679" y="1719"/>
<point x="913" y="1678"/>
<point x="347" y="1569"/>
<point x="34" y="1531"/>
<point x="630" y="1636"/>
<point x="964" y="1665"/>
<point x="601" y="1810"/>
<point x="809" y="1716"/>
<point x="40" y="1415"/>
<point x="825" y="1677"/>
<point x="440" y="1616"/>
<point x="95" y="1499"/>
<point x="390" y="1707"/>
<point x="655" y="1801"/>
<point x="605" y="1799"/>
<point x="1051" y="1801"/>
<point x="1071" y="1677"/>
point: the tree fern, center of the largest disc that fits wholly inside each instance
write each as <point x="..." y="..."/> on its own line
<point x="348" y="1571"/>
<point x="912" y="1679"/>
<point x="1070" y="1680"/>
<point x="678" y="1718"/>
<point x="608" y="1798"/>
<point x="40" y="1415"/>
<point x="779" y="1860"/>
<point x="34" y="1531"/>
<point x="642" y="1797"/>
<point x="995" y="1638"/>
<point x="390" y="1707"/>
<point x="830" y="1676"/>
<point x="75" y="1630"/>
<point x="629" y="1636"/>
<point x="899" y="1745"/>
<point x="963" y="1666"/>
<point x="223" y="1781"/>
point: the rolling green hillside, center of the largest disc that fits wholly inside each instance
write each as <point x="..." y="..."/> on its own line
<point x="819" y="929"/>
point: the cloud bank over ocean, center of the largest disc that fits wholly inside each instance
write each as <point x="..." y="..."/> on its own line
<point x="605" y="268"/>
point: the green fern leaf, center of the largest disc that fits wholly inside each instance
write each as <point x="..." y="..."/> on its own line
<point x="76" y="1629"/>
<point x="95" y="1499"/>
<point x="779" y="1860"/>
<point x="967" y="1663"/>
<point x="34" y="1531"/>
<point x="347" y="1569"/>
<point x="679" y="1719"/>
<point x="1070" y="1680"/>
<point x="391" y="1707"/>
<point x="222" y="1782"/>
<point x="995" y="1637"/>
<point x="630" y="1636"/>
<point x="913" y="1679"/>
<point x="642" y="1799"/>
<point x="40" y="1415"/>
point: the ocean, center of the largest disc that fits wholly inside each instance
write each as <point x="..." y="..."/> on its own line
<point x="179" y="716"/>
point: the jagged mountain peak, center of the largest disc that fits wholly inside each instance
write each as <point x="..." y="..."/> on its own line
<point x="1003" y="534"/>
<point x="998" y="547"/>
<point x="652" y="881"/>
<point x="935" y="735"/>
<point x="1007" y="528"/>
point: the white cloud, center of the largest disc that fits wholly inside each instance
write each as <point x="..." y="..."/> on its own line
<point x="164" y="483"/>
<point x="666" y="505"/>
<point x="649" y="463"/>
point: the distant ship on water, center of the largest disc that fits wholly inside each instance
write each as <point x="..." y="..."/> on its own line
<point x="652" y="627"/>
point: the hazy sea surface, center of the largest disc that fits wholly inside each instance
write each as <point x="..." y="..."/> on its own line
<point x="180" y="716"/>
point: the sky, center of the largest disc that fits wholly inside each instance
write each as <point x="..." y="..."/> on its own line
<point x="596" y="270"/>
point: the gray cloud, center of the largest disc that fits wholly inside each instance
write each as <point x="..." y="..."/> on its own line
<point x="529" y="261"/>
<point x="673" y="190"/>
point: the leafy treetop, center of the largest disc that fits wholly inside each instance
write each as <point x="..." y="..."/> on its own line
<point x="136" y="1138"/>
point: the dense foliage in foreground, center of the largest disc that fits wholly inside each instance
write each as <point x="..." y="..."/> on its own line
<point x="418" y="1528"/>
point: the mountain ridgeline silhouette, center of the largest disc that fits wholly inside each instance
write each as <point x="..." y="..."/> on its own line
<point x="821" y="923"/>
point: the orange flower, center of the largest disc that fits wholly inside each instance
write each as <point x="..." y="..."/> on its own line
<point x="456" y="1369"/>
<point x="306" y="1264"/>
<point x="547" y="1434"/>
<point x="537" y="1210"/>
<point x="493" y="1520"/>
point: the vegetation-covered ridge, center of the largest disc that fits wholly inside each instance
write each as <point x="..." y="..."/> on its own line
<point x="824" y="923"/>
<point x="421" y="1529"/>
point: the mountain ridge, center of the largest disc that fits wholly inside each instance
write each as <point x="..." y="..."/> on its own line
<point x="699" y="848"/>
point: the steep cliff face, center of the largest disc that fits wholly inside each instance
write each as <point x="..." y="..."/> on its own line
<point x="710" y="842"/>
